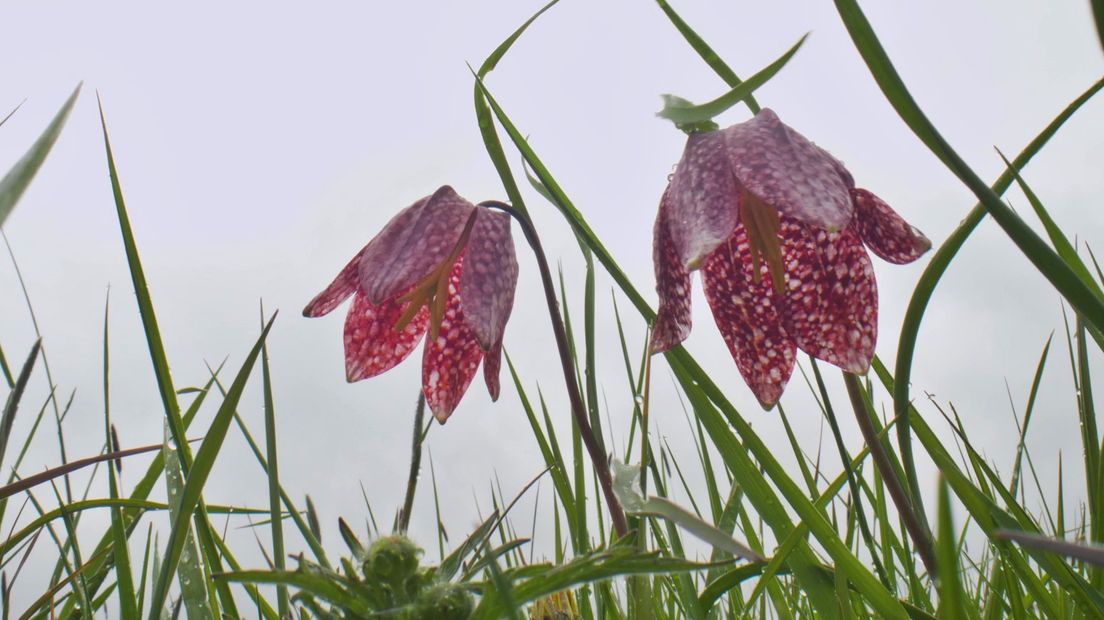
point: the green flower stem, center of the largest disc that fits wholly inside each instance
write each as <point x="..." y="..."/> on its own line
<point x="916" y="530"/>
<point x="597" y="456"/>
<point x="415" y="464"/>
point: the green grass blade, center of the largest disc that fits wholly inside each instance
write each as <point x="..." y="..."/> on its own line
<point x="937" y="266"/>
<point x="1028" y="410"/>
<point x="201" y="468"/>
<point x="12" y="404"/>
<point x="706" y="52"/>
<point x="17" y="179"/>
<point x="145" y="309"/>
<point x="277" y="523"/>
<point x="193" y="585"/>
<point x="124" y="577"/>
<point x="952" y="596"/>
<point x="1098" y="17"/>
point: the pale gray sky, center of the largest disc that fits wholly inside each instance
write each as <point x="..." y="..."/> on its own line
<point x="261" y="145"/>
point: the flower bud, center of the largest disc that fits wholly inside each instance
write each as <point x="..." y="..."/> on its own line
<point x="392" y="559"/>
<point x="444" y="601"/>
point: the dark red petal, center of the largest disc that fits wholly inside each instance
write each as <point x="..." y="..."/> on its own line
<point x="831" y="299"/>
<point x="748" y="315"/>
<point x="450" y="361"/>
<point x="788" y="172"/>
<point x="372" y="345"/>
<point x="344" y="284"/>
<point x="672" y="323"/>
<point x="702" y="199"/>
<point x="492" y="363"/>
<point x="885" y="232"/>
<point x="489" y="277"/>
<point x="412" y="244"/>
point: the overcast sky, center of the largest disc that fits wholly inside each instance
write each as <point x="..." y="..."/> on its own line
<point x="261" y="145"/>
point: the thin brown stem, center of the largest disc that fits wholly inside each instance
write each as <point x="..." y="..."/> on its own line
<point x="597" y="456"/>
<point x="913" y="525"/>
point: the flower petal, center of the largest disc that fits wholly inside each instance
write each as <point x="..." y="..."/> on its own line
<point x="832" y="298"/>
<point x="790" y="173"/>
<point x="344" y="284"/>
<point x="450" y="361"/>
<point x="372" y="345"/>
<point x="492" y="363"/>
<point x="748" y="315"/>
<point x="885" y="232"/>
<point x="489" y="277"/>
<point x="702" y="199"/>
<point x="672" y="322"/>
<point x="412" y="244"/>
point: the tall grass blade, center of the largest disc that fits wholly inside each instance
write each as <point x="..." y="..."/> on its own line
<point x="1093" y="554"/>
<point x="283" y="602"/>
<point x="952" y="597"/>
<point x="193" y="584"/>
<point x="17" y="179"/>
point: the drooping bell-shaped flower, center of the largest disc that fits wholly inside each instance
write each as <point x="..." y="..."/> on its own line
<point x="441" y="265"/>
<point x="778" y="229"/>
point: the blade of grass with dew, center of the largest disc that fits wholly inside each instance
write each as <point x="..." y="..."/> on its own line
<point x="124" y="578"/>
<point x="681" y="360"/>
<point x="283" y="603"/>
<point x="706" y="52"/>
<point x="201" y="467"/>
<point x="17" y="179"/>
<point x="193" y="584"/>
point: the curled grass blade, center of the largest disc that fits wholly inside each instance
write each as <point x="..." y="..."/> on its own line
<point x="937" y="266"/>
<point x="17" y="179"/>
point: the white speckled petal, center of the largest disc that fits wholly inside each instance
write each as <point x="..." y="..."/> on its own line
<point x="451" y="360"/>
<point x="672" y="322"/>
<point x="748" y="315"/>
<point x="372" y="345"/>
<point x="412" y="244"/>
<point x="489" y="278"/>
<point x="702" y="199"/>
<point x="885" y="232"/>
<point x="344" y="284"/>
<point x="831" y="295"/>
<point x="788" y="172"/>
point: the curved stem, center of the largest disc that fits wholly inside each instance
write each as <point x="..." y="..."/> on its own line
<point x="597" y="456"/>
<point x="915" y="529"/>
<point x="415" y="464"/>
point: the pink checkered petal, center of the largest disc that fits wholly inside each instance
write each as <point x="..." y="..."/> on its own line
<point x="372" y="345"/>
<point x="672" y="323"/>
<point x="831" y="296"/>
<point x="748" y="316"/>
<point x="489" y="277"/>
<point x="344" y="284"/>
<point x="451" y="360"/>
<point x="413" y="244"/>
<point x="883" y="231"/>
<point x="701" y="201"/>
<point x="492" y="364"/>
<point x="788" y="172"/>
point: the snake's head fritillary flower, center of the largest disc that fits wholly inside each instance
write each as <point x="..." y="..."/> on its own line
<point x="777" y="228"/>
<point x="442" y="265"/>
